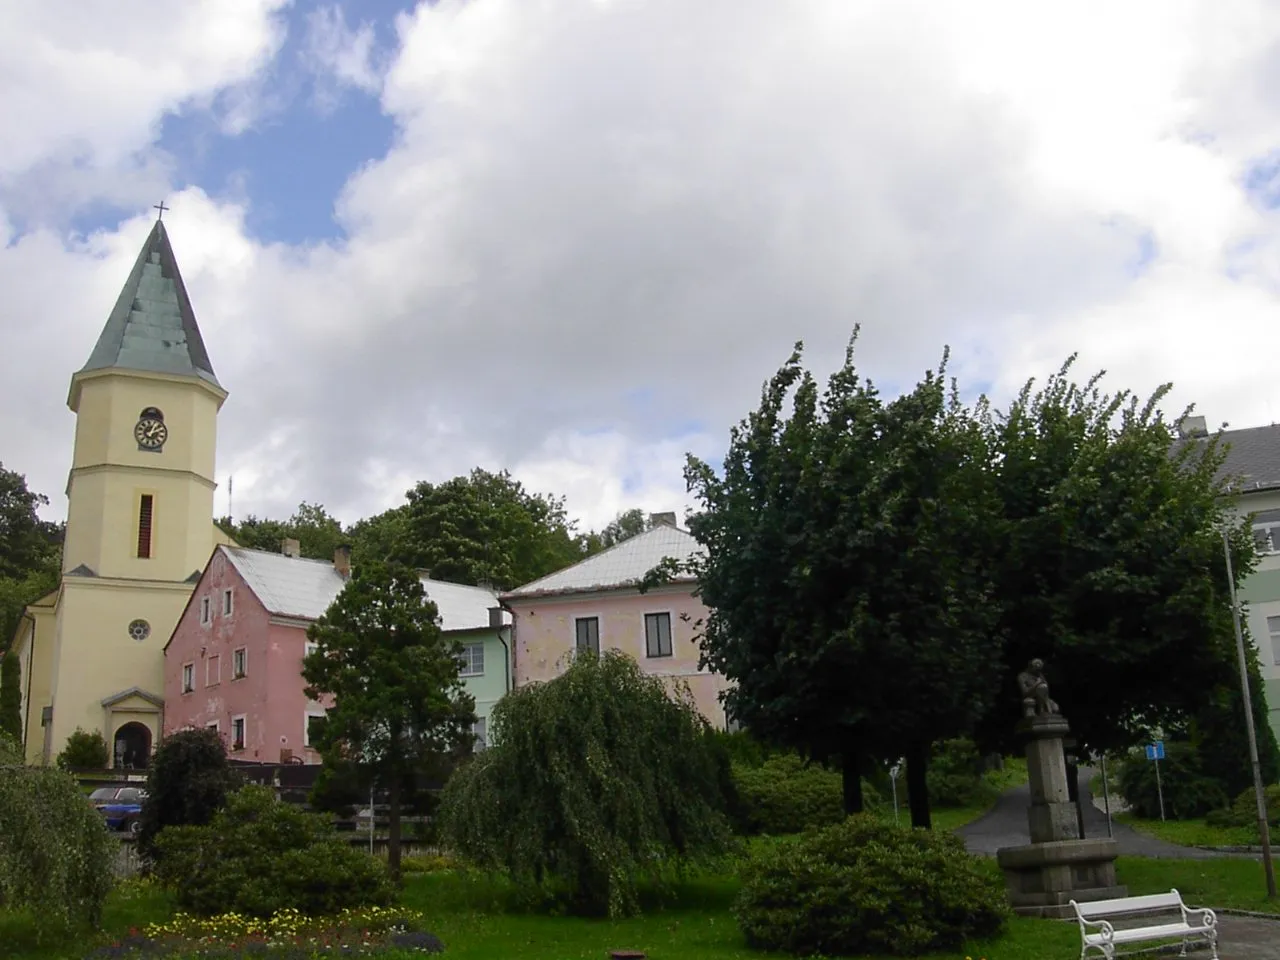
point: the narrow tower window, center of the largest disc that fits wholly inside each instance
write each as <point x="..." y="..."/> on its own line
<point x="144" y="526"/>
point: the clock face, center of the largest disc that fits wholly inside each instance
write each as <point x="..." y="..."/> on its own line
<point x="150" y="433"/>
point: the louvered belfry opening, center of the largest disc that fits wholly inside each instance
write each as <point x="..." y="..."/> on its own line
<point x="145" y="508"/>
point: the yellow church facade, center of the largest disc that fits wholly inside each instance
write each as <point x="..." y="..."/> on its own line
<point x="139" y="522"/>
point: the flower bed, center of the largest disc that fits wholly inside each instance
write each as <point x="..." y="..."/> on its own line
<point x="369" y="931"/>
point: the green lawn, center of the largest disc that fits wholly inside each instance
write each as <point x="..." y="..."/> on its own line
<point x="1192" y="833"/>
<point x="472" y="915"/>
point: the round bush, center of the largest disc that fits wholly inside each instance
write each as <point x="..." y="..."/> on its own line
<point x="1188" y="793"/>
<point x="260" y="855"/>
<point x="865" y="887"/>
<point x="1243" y="812"/>
<point x="785" y="795"/>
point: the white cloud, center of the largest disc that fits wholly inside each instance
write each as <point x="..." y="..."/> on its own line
<point x="332" y="49"/>
<point x="602" y="225"/>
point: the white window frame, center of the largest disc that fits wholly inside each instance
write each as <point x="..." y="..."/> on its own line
<point x="208" y="670"/>
<point x="205" y="611"/>
<point x="1273" y="629"/>
<point x="215" y="725"/>
<point x="468" y="660"/>
<point x="240" y="670"/>
<point x="309" y="648"/>
<point x="228" y="602"/>
<point x="244" y="731"/>
<point x="574" y="639"/>
<point x="480" y="729"/>
<point x="306" y="724"/>
<point x="671" y="635"/>
<point x="189" y="677"/>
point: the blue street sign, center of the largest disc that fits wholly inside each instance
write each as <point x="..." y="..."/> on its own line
<point x="1155" y="751"/>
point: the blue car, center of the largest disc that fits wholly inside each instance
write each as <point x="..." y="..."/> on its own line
<point x="121" y="806"/>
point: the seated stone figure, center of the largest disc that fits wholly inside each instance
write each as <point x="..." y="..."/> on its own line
<point x="1035" y="691"/>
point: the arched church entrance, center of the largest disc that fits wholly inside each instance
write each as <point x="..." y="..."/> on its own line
<point x="132" y="746"/>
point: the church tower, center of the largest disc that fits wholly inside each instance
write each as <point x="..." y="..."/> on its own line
<point x="139" y="516"/>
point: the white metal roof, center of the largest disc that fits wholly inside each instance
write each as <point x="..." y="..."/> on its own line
<point x="293" y="587"/>
<point x="622" y="565"/>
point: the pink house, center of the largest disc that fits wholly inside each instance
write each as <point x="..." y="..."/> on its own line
<point x="595" y="605"/>
<point x="234" y="661"/>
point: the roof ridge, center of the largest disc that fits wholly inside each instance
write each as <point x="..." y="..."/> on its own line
<point x="603" y="553"/>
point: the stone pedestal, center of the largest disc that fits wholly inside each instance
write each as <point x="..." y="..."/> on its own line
<point x="1058" y="866"/>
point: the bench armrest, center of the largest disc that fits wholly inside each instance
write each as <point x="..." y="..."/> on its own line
<point x="1202" y="916"/>
<point x="1103" y="927"/>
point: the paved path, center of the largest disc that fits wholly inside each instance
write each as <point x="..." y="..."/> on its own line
<point x="1247" y="938"/>
<point x="1005" y="825"/>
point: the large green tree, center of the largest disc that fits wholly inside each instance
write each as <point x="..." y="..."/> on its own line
<point x="399" y="704"/>
<point x="843" y="571"/>
<point x="1111" y="566"/>
<point x="317" y="533"/>
<point x="484" y="527"/>
<point x="622" y="527"/>
<point x="29" y="551"/>
<point x="594" y="780"/>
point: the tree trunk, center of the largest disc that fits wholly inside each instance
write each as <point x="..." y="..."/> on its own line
<point x="1073" y="794"/>
<point x="393" y="837"/>
<point x="851" y="781"/>
<point x="918" y="786"/>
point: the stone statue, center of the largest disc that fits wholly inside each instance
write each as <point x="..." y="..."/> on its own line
<point x="1035" y="691"/>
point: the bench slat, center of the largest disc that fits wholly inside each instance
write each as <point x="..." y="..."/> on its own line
<point x="1107" y="908"/>
<point x="1147" y="933"/>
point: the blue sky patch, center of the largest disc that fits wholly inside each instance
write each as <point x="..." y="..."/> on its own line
<point x="1262" y="181"/>
<point x="311" y="135"/>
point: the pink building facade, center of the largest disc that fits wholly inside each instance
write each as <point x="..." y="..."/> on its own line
<point x="234" y="660"/>
<point x="596" y="605"/>
<point x="232" y="665"/>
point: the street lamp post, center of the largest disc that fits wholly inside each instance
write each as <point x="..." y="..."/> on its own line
<point x="1259" y="792"/>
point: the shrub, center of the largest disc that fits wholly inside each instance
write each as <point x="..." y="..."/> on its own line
<point x="1243" y="812"/>
<point x="84" y="751"/>
<point x="1188" y="793"/>
<point x="955" y="775"/>
<point x="866" y="887"/>
<point x="786" y="795"/>
<point x="259" y="855"/>
<point x="55" y="852"/>
<point x="594" y="780"/>
<point x="187" y="782"/>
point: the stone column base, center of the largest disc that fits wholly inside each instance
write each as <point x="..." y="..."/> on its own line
<point x="1043" y="878"/>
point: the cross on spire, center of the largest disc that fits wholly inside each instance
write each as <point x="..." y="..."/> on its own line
<point x="162" y="208"/>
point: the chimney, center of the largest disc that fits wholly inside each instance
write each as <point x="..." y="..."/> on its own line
<point x="1189" y="427"/>
<point x="291" y="547"/>
<point x="495" y="618"/>
<point x="662" y="520"/>
<point x="342" y="560"/>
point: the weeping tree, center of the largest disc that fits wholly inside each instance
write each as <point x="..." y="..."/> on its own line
<point x="594" y="780"/>
<point x="844" y="570"/>
<point x="55" y="852"/>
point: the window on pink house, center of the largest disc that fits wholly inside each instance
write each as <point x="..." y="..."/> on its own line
<point x="657" y="634"/>
<point x="587" y="634"/>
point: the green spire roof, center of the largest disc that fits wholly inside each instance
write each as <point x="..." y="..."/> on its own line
<point x="153" y="327"/>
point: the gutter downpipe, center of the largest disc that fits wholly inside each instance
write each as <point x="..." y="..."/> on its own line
<point x="509" y="659"/>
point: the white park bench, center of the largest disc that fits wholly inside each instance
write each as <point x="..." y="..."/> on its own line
<point x="1099" y="933"/>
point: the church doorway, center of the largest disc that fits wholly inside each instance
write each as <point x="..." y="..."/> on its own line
<point x="132" y="746"/>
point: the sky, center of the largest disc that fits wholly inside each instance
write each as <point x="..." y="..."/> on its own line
<point x="572" y="238"/>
